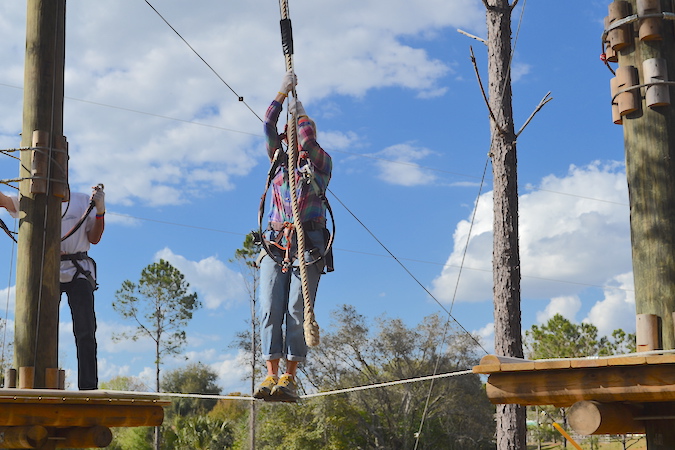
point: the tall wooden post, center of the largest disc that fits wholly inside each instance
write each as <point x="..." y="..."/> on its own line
<point x="649" y="137"/>
<point x="511" y="427"/>
<point x="37" y="277"/>
<point x="645" y="51"/>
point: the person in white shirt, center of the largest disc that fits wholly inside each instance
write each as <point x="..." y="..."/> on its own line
<point x="83" y="222"/>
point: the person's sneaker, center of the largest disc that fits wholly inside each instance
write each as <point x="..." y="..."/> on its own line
<point x="265" y="388"/>
<point x="286" y="390"/>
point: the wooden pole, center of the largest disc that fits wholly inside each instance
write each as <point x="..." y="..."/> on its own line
<point x="38" y="257"/>
<point x="589" y="417"/>
<point x="78" y="437"/>
<point x="649" y="137"/>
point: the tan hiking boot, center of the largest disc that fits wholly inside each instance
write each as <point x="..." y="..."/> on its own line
<point x="265" y="388"/>
<point x="286" y="390"/>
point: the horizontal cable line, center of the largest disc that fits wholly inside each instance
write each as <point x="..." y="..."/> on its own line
<point x="372" y="254"/>
<point x="435" y="169"/>
<point x="388" y="383"/>
<point x="175" y="224"/>
<point x="317" y="394"/>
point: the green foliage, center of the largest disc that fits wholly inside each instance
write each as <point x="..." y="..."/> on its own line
<point x="196" y="378"/>
<point x="249" y="251"/>
<point x="203" y="433"/>
<point x="139" y="438"/>
<point x="161" y="307"/>
<point x="122" y="383"/>
<point x="230" y="410"/>
<point x="458" y="414"/>
<point x="7" y="353"/>
<point x="560" y="338"/>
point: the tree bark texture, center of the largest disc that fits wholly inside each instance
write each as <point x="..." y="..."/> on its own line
<point x="511" y="429"/>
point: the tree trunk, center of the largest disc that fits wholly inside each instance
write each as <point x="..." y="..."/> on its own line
<point x="158" y="430"/>
<point x="511" y="429"/>
<point x="254" y="347"/>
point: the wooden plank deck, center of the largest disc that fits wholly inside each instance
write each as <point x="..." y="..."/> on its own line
<point x="563" y="382"/>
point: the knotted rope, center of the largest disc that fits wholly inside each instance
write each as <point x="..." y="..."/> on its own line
<point x="310" y="325"/>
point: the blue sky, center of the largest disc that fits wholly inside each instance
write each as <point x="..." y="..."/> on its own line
<point x="395" y="97"/>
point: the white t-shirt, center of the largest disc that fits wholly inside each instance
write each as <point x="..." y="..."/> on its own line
<point x="71" y="213"/>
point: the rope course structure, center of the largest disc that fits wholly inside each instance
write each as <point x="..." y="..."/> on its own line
<point x="288" y="48"/>
<point x="310" y="325"/>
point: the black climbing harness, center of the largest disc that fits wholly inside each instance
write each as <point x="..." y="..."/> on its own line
<point x="279" y="248"/>
<point x="80" y="256"/>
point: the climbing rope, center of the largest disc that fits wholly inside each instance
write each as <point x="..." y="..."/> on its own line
<point x="310" y="325"/>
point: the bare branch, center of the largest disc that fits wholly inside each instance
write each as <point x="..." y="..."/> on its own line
<point x="472" y="36"/>
<point x="482" y="90"/>
<point x="486" y="4"/>
<point x="515" y="2"/>
<point x="541" y="104"/>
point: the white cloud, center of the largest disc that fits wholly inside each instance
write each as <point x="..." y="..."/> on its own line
<point x="231" y="371"/>
<point x="574" y="232"/>
<point x="398" y="165"/>
<point x="104" y="338"/>
<point x="486" y="337"/>
<point x="617" y="309"/>
<point x="216" y="284"/>
<point x="122" y="83"/>
<point x="519" y="70"/>
<point x="108" y="370"/>
<point x="8" y="300"/>
<point x="566" y="306"/>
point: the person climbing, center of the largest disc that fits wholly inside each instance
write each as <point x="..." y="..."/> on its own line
<point x="78" y="272"/>
<point x="281" y="298"/>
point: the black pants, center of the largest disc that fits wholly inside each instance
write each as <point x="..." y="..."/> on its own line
<point x="80" y="295"/>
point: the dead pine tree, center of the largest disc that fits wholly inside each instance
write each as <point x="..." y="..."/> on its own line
<point x="511" y="426"/>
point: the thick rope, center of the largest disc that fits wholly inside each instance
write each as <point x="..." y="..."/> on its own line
<point x="310" y="325"/>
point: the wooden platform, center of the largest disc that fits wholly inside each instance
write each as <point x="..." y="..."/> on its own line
<point x="563" y="382"/>
<point x="49" y="418"/>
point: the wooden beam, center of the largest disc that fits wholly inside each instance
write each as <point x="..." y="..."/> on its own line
<point x="23" y="437"/>
<point x="564" y="387"/>
<point x="590" y="417"/>
<point x="80" y="415"/>
<point x="77" y="437"/>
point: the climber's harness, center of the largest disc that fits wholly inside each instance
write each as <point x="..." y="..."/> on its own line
<point x="79" y="256"/>
<point x="279" y="245"/>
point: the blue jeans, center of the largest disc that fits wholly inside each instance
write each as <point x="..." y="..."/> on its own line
<point x="282" y="305"/>
<point x="80" y="294"/>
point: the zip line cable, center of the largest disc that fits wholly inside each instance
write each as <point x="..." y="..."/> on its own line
<point x="241" y="99"/>
<point x="447" y="323"/>
<point x="236" y="233"/>
<point x="407" y="270"/>
<point x="361" y="155"/>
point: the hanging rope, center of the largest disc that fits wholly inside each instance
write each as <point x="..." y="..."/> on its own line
<point x="310" y="325"/>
